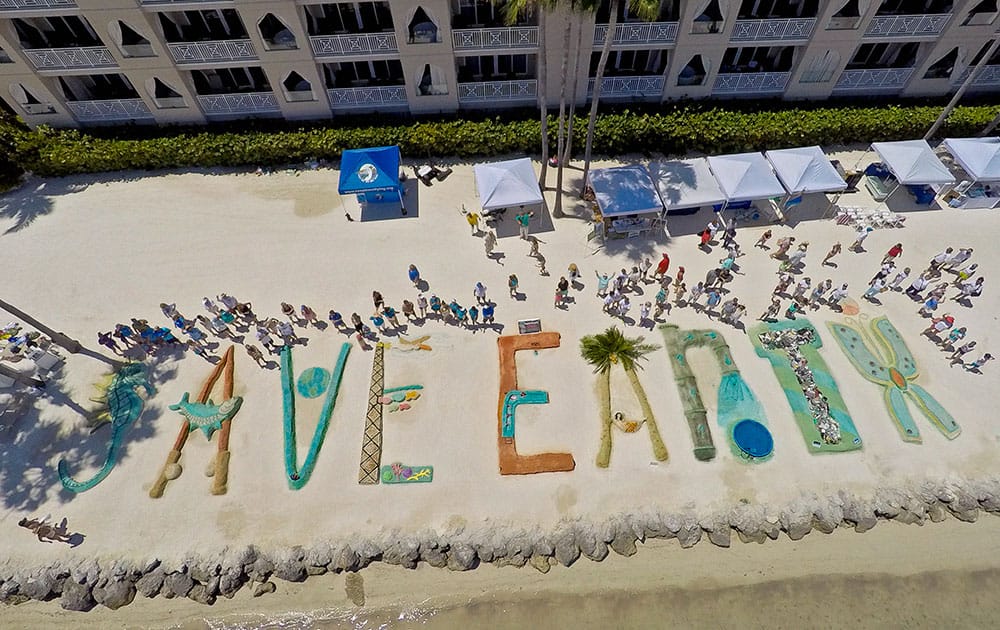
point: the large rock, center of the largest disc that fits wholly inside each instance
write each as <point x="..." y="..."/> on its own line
<point x="567" y="551"/>
<point x="434" y="554"/>
<point x="404" y="551"/>
<point x="462" y="557"/>
<point x="230" y="582"/>
<point x="262" y="589"/>
<point x="320" y="555"/>
<point x="261" y="568"/>
<point x="39" y="585"/>
<point x="720" y="535"/>
<point x="77" y="597"/>
<point x="289" y="565"/>
<point x="541" y="563"/>
<point x="200" y="594"/>
<point x="858" y="512"/>
<point x="346" y="559"/>
<point x="115" y="594"/>
<point x="624" y="543"/>
<point x="177" y="585"/>
<point x="150" y="584"/>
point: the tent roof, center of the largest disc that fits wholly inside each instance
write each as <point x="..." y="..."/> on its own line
<point x="913" y="162"/>
<point x="624" y="190"/>
<point x="805" y="170"/>
<point x="686" y="184"/>
<point x="980" y="157"/>
<point x="507" y="184"/>
<point x="745" y="177"/>
<point x="363" y="170"/>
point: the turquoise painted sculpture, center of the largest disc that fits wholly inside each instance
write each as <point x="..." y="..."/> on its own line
<point x="736" y="400"/>
<point x="298" y="477"/>
<point x="511" y="402"/>
<point x="207" y="416"/>
<point x="124" y="406"/>
<point x="881" y="356"/>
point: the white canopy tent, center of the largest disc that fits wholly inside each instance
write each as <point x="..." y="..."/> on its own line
<point x="684" y="184"/>
<point x="805" y="170"/>
<point x="507" y="184"/>
<point x="745" y="177"/>
<point x="980" y="157"/>
<point x="912" y="162"/>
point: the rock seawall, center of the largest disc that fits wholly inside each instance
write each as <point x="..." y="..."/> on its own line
<point x="86" y="583"/>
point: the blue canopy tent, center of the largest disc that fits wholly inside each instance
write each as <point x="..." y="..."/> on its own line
<point x="372" y="174"/>
<point x="627" y="200"/>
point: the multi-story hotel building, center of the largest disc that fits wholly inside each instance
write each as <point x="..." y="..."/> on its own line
<point x="86" y="62"/>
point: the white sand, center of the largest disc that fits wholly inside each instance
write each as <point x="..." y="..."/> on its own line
<point x="100" y="251"/>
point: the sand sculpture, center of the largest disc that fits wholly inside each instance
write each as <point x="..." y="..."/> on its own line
<point x="205" y="415"/>
<point x="792" y="347"/>
<point x="312" y="384"/>
<point x="737" y="403"/>
<point x="879" y="353"/>
<point x="512" y="463"/>
<point x="603" y="351"/>
<point x="371" y="441"/>
<point x="123" y="407"/>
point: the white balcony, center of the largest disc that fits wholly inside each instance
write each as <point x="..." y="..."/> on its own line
<point x="773" y="30"/>
<point x="239" y="104"/>
<point x="495" y="38"/>
<point x="71" y="58"/>
<point x="353" y="44"/>
<point x="488" y="91"/>
<point x="161" y="2"/>
<point x="110" y="110"/>
<point x="877" y="80"/>
<point x="629" y="87"/>
<point x="751" y="83"/>
<point x="36" y="5"/>
<point x="637" y="33"/>
<point x="907" y="25"/>
<point x="210" y="52"/>
<point x="988" y="76"/>
<point x="37" y="109"/>
<point x="372" y="97"/>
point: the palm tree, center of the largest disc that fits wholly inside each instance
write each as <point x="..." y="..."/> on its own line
<point x="644" y="9"/>
<point x="603" y="351"/>
<point x="512" y="9"/>
<point x="60" y="339"/>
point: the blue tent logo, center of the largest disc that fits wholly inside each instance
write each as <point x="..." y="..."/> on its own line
<point x="367" y="173"/>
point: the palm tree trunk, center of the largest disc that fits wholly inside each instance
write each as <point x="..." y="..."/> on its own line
<point x="961" y="91"/>
<point x="60" y="339"/>
<point x="567" y="38"/>
<point x="596" y="98"/>
<point x="543" y="104"/>
<point x="574" y="73"/>
<point x="659" y="448"/>
<point x="604" y="393"/>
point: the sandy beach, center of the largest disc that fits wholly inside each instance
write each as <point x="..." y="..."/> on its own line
<point x="86" y="253"/>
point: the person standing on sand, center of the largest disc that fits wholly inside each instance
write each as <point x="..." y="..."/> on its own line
<point x="408" y="311"/>
<point x="512" y="285"/>
<point x="489" y="242"/>
<point x="899" y="279"/>
<point x="336" y="319"/>
<point x="256" y="354"/>
<point x="473" y="220"/>
<point x="978" y="363"/>
<point x="918" y="285"/>
<point x="893" y="253"/>
<point x="772" y="311"/>
<point x="533" y="241"/>
<point x="487" y="312"/>
<point x="762" y="241"/>
<point x="713" y="300"/>
<point x="414" y="274"/>
<point x="479" y="292"/>
<point x="662" y="266"/>
<point x="830" y="254"/>
<point x="956" y="356"/>
<point x="859" y="238"/>
<point x="783" y="245"/>
<point x="422" y="306"/>
<point x="523" y="222"/>
<point x="377" y="299"/>
<point x="308" y="314"/>
<point x="602" y="283"/>
<point x="836" y="297"/>
<point x="645" y="266"/>
<point x="679" y="290"/>
<point x="706" y="237"/>
<point x="106" y="340"/>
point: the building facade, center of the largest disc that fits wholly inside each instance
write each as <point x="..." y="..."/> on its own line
<point x="89" y="62"/>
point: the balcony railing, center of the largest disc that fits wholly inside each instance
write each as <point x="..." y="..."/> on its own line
<point x="483" y="91"/>
<point x="354" y="44"/>
<point x="773" y="30"/>
<point x="630" y="87"/>
<point x="989" y="75"/>
<point x="208" y="52"/>
<point x="751" y="83"/>
<point x="36" y="5"/>
<point x="638" y="33"/>
<point x="907" y="25"/>
<point x="368" y="97"/>
<point x="873" y="80"/>
<point x="155" y="2"/>
<point x="495" y="38"/>
<point x="248" y="103"/>
<point x="115" y="109"/>
<point x="70" y="58"/>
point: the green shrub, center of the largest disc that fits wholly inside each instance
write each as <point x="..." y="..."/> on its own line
<point x="672" y="130"/>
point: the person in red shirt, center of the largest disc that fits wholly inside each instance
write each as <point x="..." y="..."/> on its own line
<point x="661" y="268"/>
<point x="893" y="253"/>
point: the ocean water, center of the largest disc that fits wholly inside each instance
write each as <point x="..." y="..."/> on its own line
<point x="947" y="599"/>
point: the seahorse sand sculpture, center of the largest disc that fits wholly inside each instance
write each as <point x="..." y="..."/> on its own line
<point x="313" y="383"/>
<point x="881" y="356"/>
<point x="823" y="418"/>
<point x="736" y="400"/>
<point x="512" y="463"/>
<point x="205" y="415"/>
<point x="124" y="406"/>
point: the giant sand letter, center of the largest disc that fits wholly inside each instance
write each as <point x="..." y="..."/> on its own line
<point x="511" y="463"/>
<point x="881" y="356"/>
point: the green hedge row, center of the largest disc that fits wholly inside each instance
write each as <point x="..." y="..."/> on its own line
<point x="677" y="130"/>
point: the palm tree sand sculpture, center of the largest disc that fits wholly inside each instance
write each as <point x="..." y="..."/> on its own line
<point x="603" y="351"/>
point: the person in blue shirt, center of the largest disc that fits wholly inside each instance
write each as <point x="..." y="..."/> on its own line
<point x="474" y="315"/>
<point x="414" y="275"/>
<point x="487" y="313"/>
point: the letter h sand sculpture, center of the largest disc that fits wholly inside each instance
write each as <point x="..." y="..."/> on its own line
<point x="512" y="463"/>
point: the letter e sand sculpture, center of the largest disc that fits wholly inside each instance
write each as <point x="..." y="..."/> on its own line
<point x="512" y="463"/>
